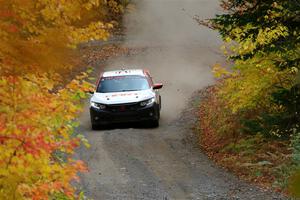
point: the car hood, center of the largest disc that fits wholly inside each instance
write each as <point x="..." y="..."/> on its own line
<point x="122" y="97"/>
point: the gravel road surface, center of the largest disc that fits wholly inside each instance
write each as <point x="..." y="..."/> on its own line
<point x="131" y="161"/>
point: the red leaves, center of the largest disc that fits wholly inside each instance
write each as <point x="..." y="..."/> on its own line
<point x="37" y="110"/>
<point x="12" y="28"/>
<point x="37" y="138"/>
<point x="12" y="79"/>
<point x="2" y="123"/>
<point x="38" y="144"/>
<point x="6" y="14"/>
<point x="3" y="139"/>
<point x="34" y="145"/>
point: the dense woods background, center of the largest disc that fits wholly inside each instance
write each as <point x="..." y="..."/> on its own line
<point x="252" y="114"/>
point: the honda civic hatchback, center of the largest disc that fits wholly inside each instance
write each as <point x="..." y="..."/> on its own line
<point x="125" y="96"/>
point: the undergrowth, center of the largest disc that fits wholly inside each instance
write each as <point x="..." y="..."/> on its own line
<point x="267" y="161"/>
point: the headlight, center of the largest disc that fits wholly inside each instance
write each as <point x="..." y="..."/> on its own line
<point x="98" y="105"/>
<point x="147" y="102"/>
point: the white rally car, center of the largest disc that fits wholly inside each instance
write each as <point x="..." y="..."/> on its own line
<point x="125" y="96"/>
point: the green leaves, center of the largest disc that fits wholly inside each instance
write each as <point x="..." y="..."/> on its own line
<point x="262" y="89"/>
<point x="261" y="39"/>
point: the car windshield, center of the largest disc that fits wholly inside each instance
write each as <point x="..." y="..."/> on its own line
<point x="123" y="84"/>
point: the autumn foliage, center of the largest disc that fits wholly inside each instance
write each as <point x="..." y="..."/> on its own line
<point x="255" y="106"/>
<point x="38" y="106"/>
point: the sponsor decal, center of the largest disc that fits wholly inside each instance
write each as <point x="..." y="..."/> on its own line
<point x="121" y="95"/>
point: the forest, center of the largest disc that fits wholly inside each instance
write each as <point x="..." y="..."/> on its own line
<point x="40" y="96"/>
<point x="250" y="120"/>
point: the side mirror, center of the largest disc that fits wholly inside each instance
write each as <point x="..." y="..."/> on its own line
<point x="157" y="86"/>
<point x="91" y="92"/>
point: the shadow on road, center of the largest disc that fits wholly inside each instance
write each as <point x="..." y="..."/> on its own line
<point x="128" y="125"/>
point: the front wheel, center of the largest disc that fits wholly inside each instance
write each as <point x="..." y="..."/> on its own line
<point x="159" y="102"/>
<point x="154" y="123"/>
<point x="95" y="127"/>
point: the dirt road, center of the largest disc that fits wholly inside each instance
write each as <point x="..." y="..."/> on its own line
<point x="133" y="162"/>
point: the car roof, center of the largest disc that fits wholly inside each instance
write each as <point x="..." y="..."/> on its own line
<point x="124" y="72"/>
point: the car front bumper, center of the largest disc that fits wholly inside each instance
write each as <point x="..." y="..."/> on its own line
<point x="103" y="117"/>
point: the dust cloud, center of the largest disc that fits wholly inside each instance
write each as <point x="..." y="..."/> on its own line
<point x="179" y="52"/>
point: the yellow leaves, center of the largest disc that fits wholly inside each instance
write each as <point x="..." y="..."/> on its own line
<point x="253" y="85"/>
<point x="49" y="13"/>
<point x="267" y="35"/>
<point x="276" y="5"/>
<point x="95" y="31"/>
<point x="227" y="39"/>
<point x="115" y="7"/>
<point x="41" y="126"/>
<point x="220" y="71"/>
<point x="45" y="31"/>
<point x="294" y="70"/>
<point x="36" y="117"/>
<point x="246" y="45"/>
<point x="89" y="5"/>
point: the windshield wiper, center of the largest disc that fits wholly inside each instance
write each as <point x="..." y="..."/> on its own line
<point x="128" y="90"/>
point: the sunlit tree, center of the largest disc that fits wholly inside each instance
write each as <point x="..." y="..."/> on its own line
<point x="37" y="47"/>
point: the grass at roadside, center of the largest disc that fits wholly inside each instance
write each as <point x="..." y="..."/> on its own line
<point x="268" y="162"/>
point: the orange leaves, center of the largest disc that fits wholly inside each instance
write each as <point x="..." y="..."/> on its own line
<point x="37" y="115"/>
<point x="36" y="137"/>
<point x="38" y="144"/>
<point x="6" y="13"/>
<point x="38" y="35"/>
<point x="80" y="84"/>
<point x="2" y="124"/>
<point x="80" y="166"/>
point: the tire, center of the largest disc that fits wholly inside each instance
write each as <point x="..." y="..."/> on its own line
<point x="159" y="102"/>
<point x="154" y="123"/>
<point x="95" y="127"/>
